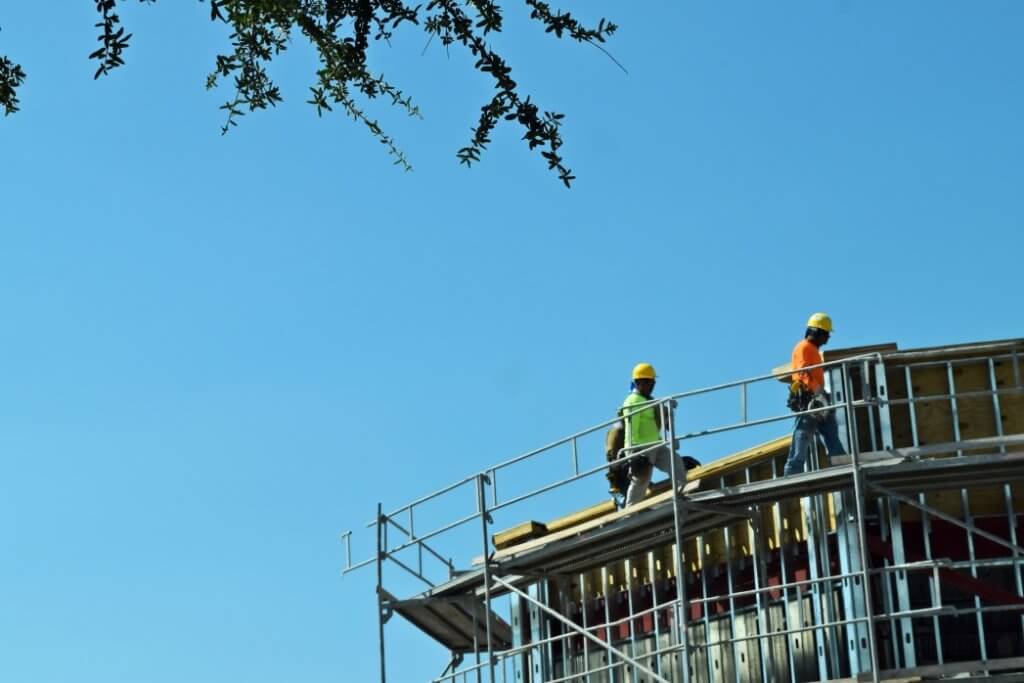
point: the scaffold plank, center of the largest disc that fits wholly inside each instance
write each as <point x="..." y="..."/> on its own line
<point x="457" y="623"/>
<point x="518" y="534"/>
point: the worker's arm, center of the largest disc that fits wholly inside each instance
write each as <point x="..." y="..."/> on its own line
<point x="614" y="441"/>
<point x="670" y="406"/>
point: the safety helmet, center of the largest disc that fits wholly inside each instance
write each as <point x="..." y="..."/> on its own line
<point x="643" y="371"/>
<point x="820" y="321"/>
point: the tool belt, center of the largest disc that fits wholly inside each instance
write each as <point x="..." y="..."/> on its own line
<point x="799" y="397"/>
<point x="624" y="467"/>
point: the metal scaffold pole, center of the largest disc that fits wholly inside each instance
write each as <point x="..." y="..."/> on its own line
<point x="380" y="588"/>
<point x="482" y="502"/>
<point x="681" y="604"/>
<point x="568" y="623"/>
<point x="858" y="495"/>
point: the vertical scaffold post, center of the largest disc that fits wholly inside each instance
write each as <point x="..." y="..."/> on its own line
<point x="476" y="649"/>
<point x="858" y="495"/>
<point x="738" y="658"/>
<point x="541" y="656"/>
<point x="934" y="590"/>
<point x="1011" y="516"/>
<point x="652" y="576"/>
<point x="895" y="517"/>
<point x="819" y="509"/>
<point x="965" y="505"/>
<point x="678" y="480"/>
<point x="788" y="616"/>
<point x="818" y="568"/>
<point x="482" y="507"/>
<point x="380" y="587"/>
<point x="763" y="624"/>
<point x="583" y="614"/>
<point x="848" y="548"/>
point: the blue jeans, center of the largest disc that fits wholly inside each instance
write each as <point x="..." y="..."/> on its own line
<point x="803" y="438"/>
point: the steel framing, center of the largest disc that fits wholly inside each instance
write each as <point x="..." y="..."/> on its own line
<point x="890" y="622"/>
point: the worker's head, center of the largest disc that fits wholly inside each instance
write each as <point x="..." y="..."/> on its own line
<point x="644" y="378"/>
<point x="819" y="329"/>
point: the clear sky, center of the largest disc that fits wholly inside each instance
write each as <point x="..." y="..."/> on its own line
<point x="222" y="351"/>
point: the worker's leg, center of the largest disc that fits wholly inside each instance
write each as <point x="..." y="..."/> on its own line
<point x="639" y="478"/>
<point x="800" y="446"/>
<point x="829" y="430"/>
<point x="661" y="459"/>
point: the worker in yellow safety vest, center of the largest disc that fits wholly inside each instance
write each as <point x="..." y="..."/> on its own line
<point x="643" y="426"/>
<point x="807" y="392"/>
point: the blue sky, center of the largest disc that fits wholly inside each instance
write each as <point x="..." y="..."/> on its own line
<point x="222" y="351"/>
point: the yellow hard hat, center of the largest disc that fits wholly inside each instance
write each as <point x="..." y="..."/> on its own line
<point x="644" y="371"/>
<point x="820" y="321"/>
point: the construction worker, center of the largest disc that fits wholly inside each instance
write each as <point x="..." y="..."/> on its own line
<point x="807" y="392"/>
<point x="643" y="426"/>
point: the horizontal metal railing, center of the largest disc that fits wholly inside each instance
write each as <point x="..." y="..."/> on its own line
<point x="490" y="472"/>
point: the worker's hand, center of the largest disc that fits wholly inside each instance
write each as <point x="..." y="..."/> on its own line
<point x="673" y="404"/>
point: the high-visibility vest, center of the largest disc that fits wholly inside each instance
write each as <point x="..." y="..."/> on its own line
<point x="642" y="427"/>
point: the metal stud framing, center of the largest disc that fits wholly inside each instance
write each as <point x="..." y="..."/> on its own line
<point x="890" y="512"/>
<point x="965" y="506"/>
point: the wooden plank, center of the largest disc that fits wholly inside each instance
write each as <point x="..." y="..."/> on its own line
<point x="518" y="534"/>
<point x="592" y="524"/>
<point x="584" y="515"/>
<point x="784" y="372"/>
<point x="830" y="355"/>
<point x="740" y="460"/>
<point x="954" y="351"/>
<point x="711" y="472"/>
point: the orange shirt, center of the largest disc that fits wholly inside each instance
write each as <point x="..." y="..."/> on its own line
<point x="805" y="353"/>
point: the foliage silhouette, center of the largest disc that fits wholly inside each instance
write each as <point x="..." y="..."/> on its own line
<point x="342" y="32"/>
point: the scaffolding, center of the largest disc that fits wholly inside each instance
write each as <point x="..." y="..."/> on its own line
<point x="898" y="560"/>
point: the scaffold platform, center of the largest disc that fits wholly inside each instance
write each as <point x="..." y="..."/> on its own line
<point x="900" y="560"/>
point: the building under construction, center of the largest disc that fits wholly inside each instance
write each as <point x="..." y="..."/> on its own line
<point x="899" y="560"/>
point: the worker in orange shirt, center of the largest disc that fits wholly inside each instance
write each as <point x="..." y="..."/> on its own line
<point x="807" y="392"/>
